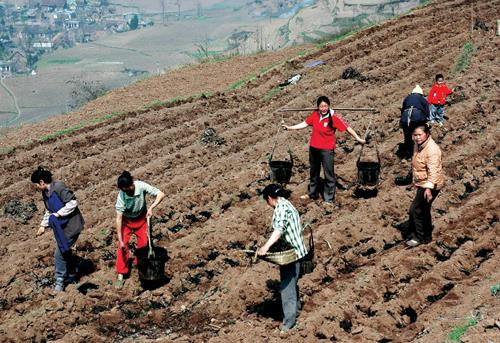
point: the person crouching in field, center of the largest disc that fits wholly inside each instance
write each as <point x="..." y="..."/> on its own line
<point x="131" y="218"/>
<point x="286" y="225"/>
<point x="429" y="179"/>
<point x="325" y="122"/>
<point x="63" y="216"/>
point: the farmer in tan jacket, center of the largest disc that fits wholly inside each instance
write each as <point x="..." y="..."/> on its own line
<point x="428" y="178"/>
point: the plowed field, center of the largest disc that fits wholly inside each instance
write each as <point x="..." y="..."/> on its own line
<point x="366" y="287"/>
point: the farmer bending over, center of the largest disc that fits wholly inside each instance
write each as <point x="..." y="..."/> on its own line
<point x="131" y="214"/>
<point x="64" y="218"/>
<point x="286" y="225"/>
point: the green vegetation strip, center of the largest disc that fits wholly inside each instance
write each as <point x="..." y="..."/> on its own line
<point x="456" y="334"/>
<point x="80" y="126"/>
<point x="465" y="58"/>
<point x="64" y="61"/>
<point x="272" y="93"/>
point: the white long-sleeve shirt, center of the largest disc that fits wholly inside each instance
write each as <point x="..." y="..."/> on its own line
<point x="64" y="211"/>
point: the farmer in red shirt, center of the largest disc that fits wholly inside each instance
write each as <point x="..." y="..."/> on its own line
<point x="324" y="123"/>
<point x="437" y="100"/>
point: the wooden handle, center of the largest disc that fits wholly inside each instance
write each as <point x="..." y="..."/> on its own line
<point x="361" y="109"/>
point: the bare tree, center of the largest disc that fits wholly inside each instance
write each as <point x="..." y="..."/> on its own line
<point x="199" y="9"/>
<point x="178" y="4"/>
<point x="162" y="4"/>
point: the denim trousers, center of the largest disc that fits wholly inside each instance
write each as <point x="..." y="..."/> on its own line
<point x="318" y="158"/>
<point x="65" y="262"/>
<point x="289" y="290"/>
<point x="437" y="113"/>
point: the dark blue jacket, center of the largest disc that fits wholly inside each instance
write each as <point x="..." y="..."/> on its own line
<point x="415" y="108"/>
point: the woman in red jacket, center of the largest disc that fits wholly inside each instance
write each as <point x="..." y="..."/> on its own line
<point x="324" y="123"/>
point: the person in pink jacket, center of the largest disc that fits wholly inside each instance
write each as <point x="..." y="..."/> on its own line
<point x="428" y="179"/>
<point x="437" y="99"/>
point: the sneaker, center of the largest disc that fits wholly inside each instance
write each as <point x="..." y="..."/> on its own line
<point x="412" y="243"/>
<point x="432" y="122"/>
<point x="59" y="288"/>
<point x="440" y="124"/>
<point x="285" y="330"/>
<point x="120" y="282"/>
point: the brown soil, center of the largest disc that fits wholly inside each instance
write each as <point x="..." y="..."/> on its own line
<point x="366" y="286"/>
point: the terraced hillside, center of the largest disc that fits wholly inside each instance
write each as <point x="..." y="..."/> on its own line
<point x="366" y="287"/>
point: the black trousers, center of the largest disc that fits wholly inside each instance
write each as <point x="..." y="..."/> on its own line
<point x="420" y="223"/>
<point x="318" y="158"/>
<point x="408" y="142"/>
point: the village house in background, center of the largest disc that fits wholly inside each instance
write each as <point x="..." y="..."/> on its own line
<point x="43" y="25"/>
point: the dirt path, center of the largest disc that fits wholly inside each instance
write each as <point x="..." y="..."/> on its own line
<point x="366" y="287"/>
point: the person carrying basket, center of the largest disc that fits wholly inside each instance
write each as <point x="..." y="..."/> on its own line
<point x="286" y="225"/>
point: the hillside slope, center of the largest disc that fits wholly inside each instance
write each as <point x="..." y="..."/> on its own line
<point x="366" y="287"/>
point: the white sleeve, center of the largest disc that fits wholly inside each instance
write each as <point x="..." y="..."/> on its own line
<point x="68" y="208"/>
<point x="45" y="219"/>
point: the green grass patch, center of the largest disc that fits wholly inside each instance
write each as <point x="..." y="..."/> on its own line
<point x="272" y="93"/>
<point x="71" y="60"/>
<point x="62" y="132"/>
<point x="240" y="83"/>
<point x="80" y="126"/>
<point x="464" y="59"/>
<point x="459" y="331"/>
<point x="495" y="290"/>
<point x="154" y="105"/>
<point x="6" y="150"/>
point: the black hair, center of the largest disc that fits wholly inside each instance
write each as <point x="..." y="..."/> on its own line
<point x="41" y="174"/>
<point x="439" y="76"/>
<point x="274" y="191"/>
<point x="421" y="124"/>
<point x="124" y="180"/>
<point x="327" y="101"/>
<point x="322" y="99"/>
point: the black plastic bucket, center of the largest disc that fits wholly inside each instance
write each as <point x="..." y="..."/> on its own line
<point x="280" y="171"/>
<point x="151" y="268"/>
<point x="368" y="173"/>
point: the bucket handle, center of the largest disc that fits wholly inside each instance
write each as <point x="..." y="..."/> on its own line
<point x="276" y="142"/>
<point x="151" y="252"/>
<point x="363" y="146"/>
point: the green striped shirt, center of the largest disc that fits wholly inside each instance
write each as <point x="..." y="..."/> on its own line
<point x="135" y="205"/>
<point x="286" y="220"/>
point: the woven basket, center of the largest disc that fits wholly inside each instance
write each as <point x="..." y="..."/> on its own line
<point x="281" y="257"/>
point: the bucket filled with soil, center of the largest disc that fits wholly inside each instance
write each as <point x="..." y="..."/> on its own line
<point x="280" y="171"/>
<point x="151" y="260"/>
<point x="368" y="170"/>
<point x="151" y="266"/>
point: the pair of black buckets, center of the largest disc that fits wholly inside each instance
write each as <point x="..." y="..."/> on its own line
<point x="368" y="171"/>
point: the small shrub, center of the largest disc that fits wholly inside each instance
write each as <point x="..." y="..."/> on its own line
<point x="464" y="59"/>
<point x="459" y="331"/>
<point x="495" y="290"/>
